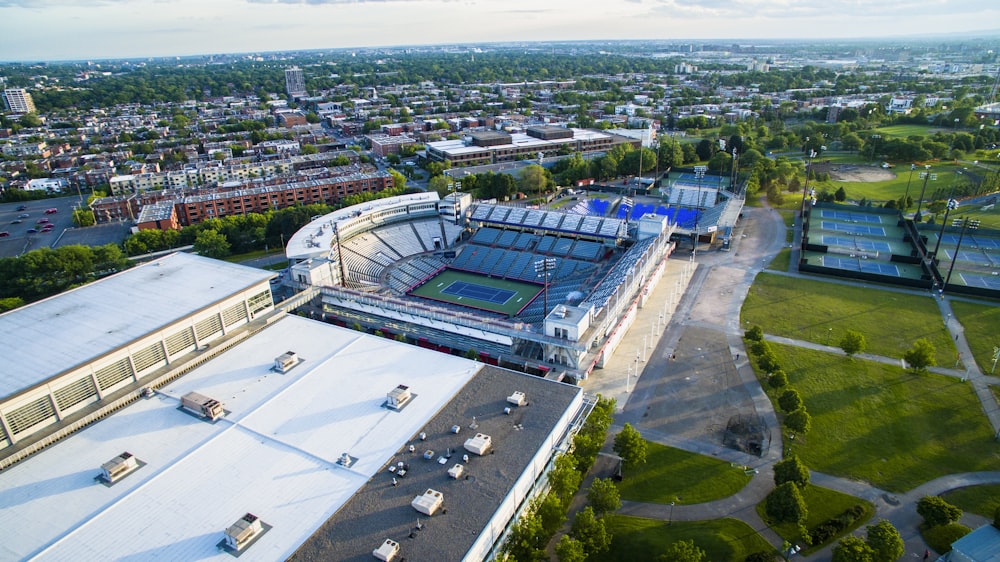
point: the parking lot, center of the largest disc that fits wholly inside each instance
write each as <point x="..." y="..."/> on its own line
<point x="26" y="233"/>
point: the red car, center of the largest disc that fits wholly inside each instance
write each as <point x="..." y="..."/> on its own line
<point x="4" y="233"/>
<point x="51" y="211"/>
<point x="42" y="221"/>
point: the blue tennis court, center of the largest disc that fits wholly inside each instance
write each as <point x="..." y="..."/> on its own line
<point x="853" y="228"/>
<point x="849" y="216"/>
<point x="863" y="245"/>
<point x="971" y="256"/>
<point x="478" y="292"/>
<point x="984" y="281"/>
<point x="864" y="266"/>
<point x="991" y="243"/>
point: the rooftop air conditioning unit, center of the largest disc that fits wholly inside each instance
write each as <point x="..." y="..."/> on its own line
<point x="118" y="467"/>
<point x="398" y="397"/>
<point x="286" y="361"/>
<point x="517" y="399"/>
<point x="478" y="444"/>
<point x="202" y="405"/>
<point x="429" y="502"/>
<point x="387" y="551"/>
<point x="241" y="533"/>
<point x="456" y="471"/>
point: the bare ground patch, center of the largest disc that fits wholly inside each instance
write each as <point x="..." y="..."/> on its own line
<point x="854" y="173"/>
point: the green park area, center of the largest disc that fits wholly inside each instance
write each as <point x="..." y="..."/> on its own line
<point x="979" y="322"/>
<point x="881" y="424"/>
<point x="822" y="505"/>
<point x="674" y="475"/>
<point x="723" y="540"/>
<point x="511" y="296"/>
<point x="821" y="312"/>
<point x="982" y="500"/>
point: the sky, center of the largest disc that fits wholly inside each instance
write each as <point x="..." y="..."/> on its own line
<point x="36" y="30"/>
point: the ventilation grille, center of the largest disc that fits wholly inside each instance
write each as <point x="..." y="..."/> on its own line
<point x="72" y="394"/>
<point x="113" y="374"/>
<point x="208" y="327"/>
<point x="30" y="414"/>
<point x="152" y="356"/>
<point x="180" y="341"/>
<point x="234" y="314"/>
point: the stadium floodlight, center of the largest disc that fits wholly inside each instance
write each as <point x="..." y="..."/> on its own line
<point x="926" y="176"/>
<point x="542" y="269"/>
<point x="966" y="223"/>
<point x="952" y="205"/>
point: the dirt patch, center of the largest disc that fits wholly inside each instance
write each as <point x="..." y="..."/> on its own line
<point x="853" y="173"/>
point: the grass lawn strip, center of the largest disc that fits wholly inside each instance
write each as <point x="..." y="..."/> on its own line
<point x="981" y="500"/>
<point x="980" y="325"/>
<point x="723" y="540"/>
<point x="877" y="423"/>
<point x="822" y="312"/>
<point x="671" y="474"/>
<point x="822" y="505"/>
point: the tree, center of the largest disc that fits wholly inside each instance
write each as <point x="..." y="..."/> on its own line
<point x="885" y="541"/>
<point x="533" y="179"/>
<point x="936" y="511"/>
<point x="590" y="531"/>
<point x="755" y="333"/>
<point x="212" y="244"/>
<point x="551" y="513"/>
<point x="791" y="470"/>
<point x="778" y="379"/>
<point x="526" y="542"/>
<point x="630" y="446"/>
<point x="790" y="400"/>
<point x="799" y="421"/>
<point x="920" y="356"/>
<point x="603" y="496"/>
<point x="683" y="551"/>
<point x="564" y="479"/>
<point x="853" y="343"/>
<point x="310" y="149"/>
<point x="853" y="549"/>
<point x="398" y="180"/>
<point x="570" y="550"/>
<point x="785" y="504"/>
<point x="840" y="195"/>
<point x="761" y="556"/>
<point x="440" y="184"/>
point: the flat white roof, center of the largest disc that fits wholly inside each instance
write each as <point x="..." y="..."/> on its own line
<point x="315" y="239"/>
<point x="72" y="328"/>
<point x="274" y="454"/>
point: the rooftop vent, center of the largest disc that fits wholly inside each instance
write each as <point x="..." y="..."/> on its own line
<point x="399" y="397"/>
<point x="239" y="535"/>
<point x="201" y="405"/>
<point x="387" y="551"/>
<point x="517" y="399"/>
<point x="346" y="460"/>
<point x="286" y="362"/>
<point x="429" y="502"/>
<point x="118" y="467"/>
<point x="478" y="444"/>
<point x="456" y="471"/>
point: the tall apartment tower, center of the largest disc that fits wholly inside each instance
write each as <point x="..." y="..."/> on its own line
<point x="295" y="81"/>
<point x="18" y="100"/>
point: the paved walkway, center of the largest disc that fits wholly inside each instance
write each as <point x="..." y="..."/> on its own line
<point x="688" y="301"/>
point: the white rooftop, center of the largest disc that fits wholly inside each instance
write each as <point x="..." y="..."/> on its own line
<point x="59" y="333"/>
<point x="274" y="454"/>
<point x="315" y="239"/>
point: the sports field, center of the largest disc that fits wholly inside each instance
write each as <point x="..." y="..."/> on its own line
<point x="478" y="291"/>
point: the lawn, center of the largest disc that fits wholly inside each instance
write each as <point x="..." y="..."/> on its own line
<point x="982" y="500"/>
<point x="671" y="474"/>
<point x="723" y="540"/>
<point x="880" y="424"/>
<point x="822" y="505"/>
<point x="903" y="131"/>
<point x="987" y="219"/>
<point x="893" y="189"/>
<point x="782" y="261"/>
<point x="821" y="312"/>
<point x="980" y="324"/>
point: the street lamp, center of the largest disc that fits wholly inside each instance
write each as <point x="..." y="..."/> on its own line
<point x="670" y="520"/>
<point x="542" y="268"/>
<point x="924" y="176"/>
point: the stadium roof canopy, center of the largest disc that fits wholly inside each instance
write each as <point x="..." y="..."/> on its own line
<point x="75" y="327"/>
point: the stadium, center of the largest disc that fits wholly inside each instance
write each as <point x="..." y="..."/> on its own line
<point x="545" y="291"/>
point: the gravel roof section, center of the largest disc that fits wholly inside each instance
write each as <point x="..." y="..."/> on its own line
<point x="379" y="510"/>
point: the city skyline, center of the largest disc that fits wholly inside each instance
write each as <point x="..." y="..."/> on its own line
<point x="44" y="30"/>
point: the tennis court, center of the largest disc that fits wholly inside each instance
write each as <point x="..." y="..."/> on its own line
<point x="853" y="228"/>
<point x="984" y="281"/>
<point x="863" y="245"/>
<point x="971" y="256"/>
<point x="862" y="265"/>
<point x="849" y="216"/>
<point x="478" y="291"/>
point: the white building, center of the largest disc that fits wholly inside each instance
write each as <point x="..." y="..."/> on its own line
<point x="18" y="100"/>
<point x="295" y="81"/>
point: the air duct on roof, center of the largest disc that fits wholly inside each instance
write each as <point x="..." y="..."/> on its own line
<point x="118" y="467"/>
<point x="429" y="502"/>
<point x="243" y="531"/>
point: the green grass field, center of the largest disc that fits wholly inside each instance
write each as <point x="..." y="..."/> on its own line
<point x="433" y="288"/>
<point x="987" y="219"/>
<point x="671" y="474"/>
<point x="981" y="500"/>
<point x="822" y="312"/>
<point x="904" y="131"/>
<point x="880" y="424"/>
<point x="822" y="505"/>
<point x="723" y="540"/>
<point x="980" y="324"/>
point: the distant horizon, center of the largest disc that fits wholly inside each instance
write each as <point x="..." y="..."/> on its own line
<point x="33" y="31"/>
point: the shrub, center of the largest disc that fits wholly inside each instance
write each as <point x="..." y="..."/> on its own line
<point x="833" y="527"/>
<point x="755" y="333"/>
<point x="936" y="511"/>
<point x="940" y="538"/>
<point x="790" y="400"/>
<point x="778" y="379"/>
<point x="785" y="504"/>
<point x="791" y="470"/>
<point x="799" y="421"/>
<point x="762" y="556"/>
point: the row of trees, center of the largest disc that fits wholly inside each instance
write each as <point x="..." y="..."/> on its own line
<point x="796" y="417"/>
<point x="45" y="272"/>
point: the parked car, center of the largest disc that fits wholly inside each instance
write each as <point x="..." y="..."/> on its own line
<point x="42" y="221"/>
<point x="4" y="234"/>
<point x="51" y="211"/>
<point x="23" y="216"/>
<point x="32" y="231"/>
<point x="22" y="207"/>
<point x="16" y="221"/>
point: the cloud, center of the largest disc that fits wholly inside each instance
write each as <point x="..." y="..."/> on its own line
<point x="826" y="9"/>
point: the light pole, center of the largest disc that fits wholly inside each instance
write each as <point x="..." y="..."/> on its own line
<point x="805" y="188"/>
<point x="670" y="520"/>
<point x="875" y="139"/>
<point x="542" y="268"/>
<point x="952" y="205"/>
<point x="906" y="196"/>
<point x="924" y="176"/>
<point x="966" y="223"/>
<point x="699" y="174"/>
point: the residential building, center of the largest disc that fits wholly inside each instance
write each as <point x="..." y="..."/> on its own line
<point x="18" y="100"/>
<point x="295" y="81"/>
